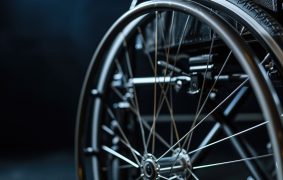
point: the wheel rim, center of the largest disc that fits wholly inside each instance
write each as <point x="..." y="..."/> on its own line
<point x="151" y="158"/>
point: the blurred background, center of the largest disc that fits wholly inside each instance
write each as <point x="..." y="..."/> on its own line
<point x="45" y="49"/>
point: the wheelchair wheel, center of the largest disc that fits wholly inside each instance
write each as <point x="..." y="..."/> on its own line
<point x="178" y="90"/>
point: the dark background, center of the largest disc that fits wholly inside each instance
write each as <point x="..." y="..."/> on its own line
<point x="45" y="48"/>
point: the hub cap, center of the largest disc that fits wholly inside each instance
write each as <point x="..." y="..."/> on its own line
<point x="177" y="164"/>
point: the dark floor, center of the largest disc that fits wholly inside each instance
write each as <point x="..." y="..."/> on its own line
<point x="58" y="165"/>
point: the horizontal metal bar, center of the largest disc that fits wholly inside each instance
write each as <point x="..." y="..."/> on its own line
<point x="232" y="77"/>
<point x="201" y="67"/>
<point x="153" y="80"/>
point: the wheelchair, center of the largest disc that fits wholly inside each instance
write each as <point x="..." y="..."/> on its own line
<point x="185" y="89"/>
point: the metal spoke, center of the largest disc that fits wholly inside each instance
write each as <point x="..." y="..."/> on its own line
<point x="222" y="102"/>
<point x="169" y="41"/>
<point x="117" y="92"/>
<point x="160" y="176"/>
<point x="161" y="100"/>
<point x="165" y="73"/>
<point x="226" y="138"/>
<point x="162" y="34"/>
<point x="147" y="126"/>
<point x="173" y="177"/>
<point x="119" y="67"/>
<point x="234" y="161"/>
<point x="112" y="133"/>
<point x="118" y="155"/>
<point x="172" y="124"/>
<point x="164" y="96"/>
<point x="135" y="94"/>
<point x="212" y="87"/>
<point x="202" y="89"/>
<point x="141" y="176"/>
<point x="265" y="58"/>
<point x="178" y="51"/>
<point x="193" y="174"/>
<point x="242" y="147"/>
<point x="208" y="138"/>
<point x="163" y="93"/>
<point x="111" y="114"/>
<point x="168" y="104"/>
<point x="182" y="38"/>
<point x="155" y="85"/>
<point x="170" y="107"/>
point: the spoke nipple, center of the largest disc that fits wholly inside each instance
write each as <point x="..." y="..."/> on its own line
<point x="96" y="93"/>
<point x="89" y="151"/>
<point x="212" y="95"/>
<point x="269" y="147"/>
<point x="115" y="140"/>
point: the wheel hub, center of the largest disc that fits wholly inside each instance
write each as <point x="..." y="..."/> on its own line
<point x="150" y="170"/>
<point x="150" y="167"/>
<point x="175" y="165"/>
